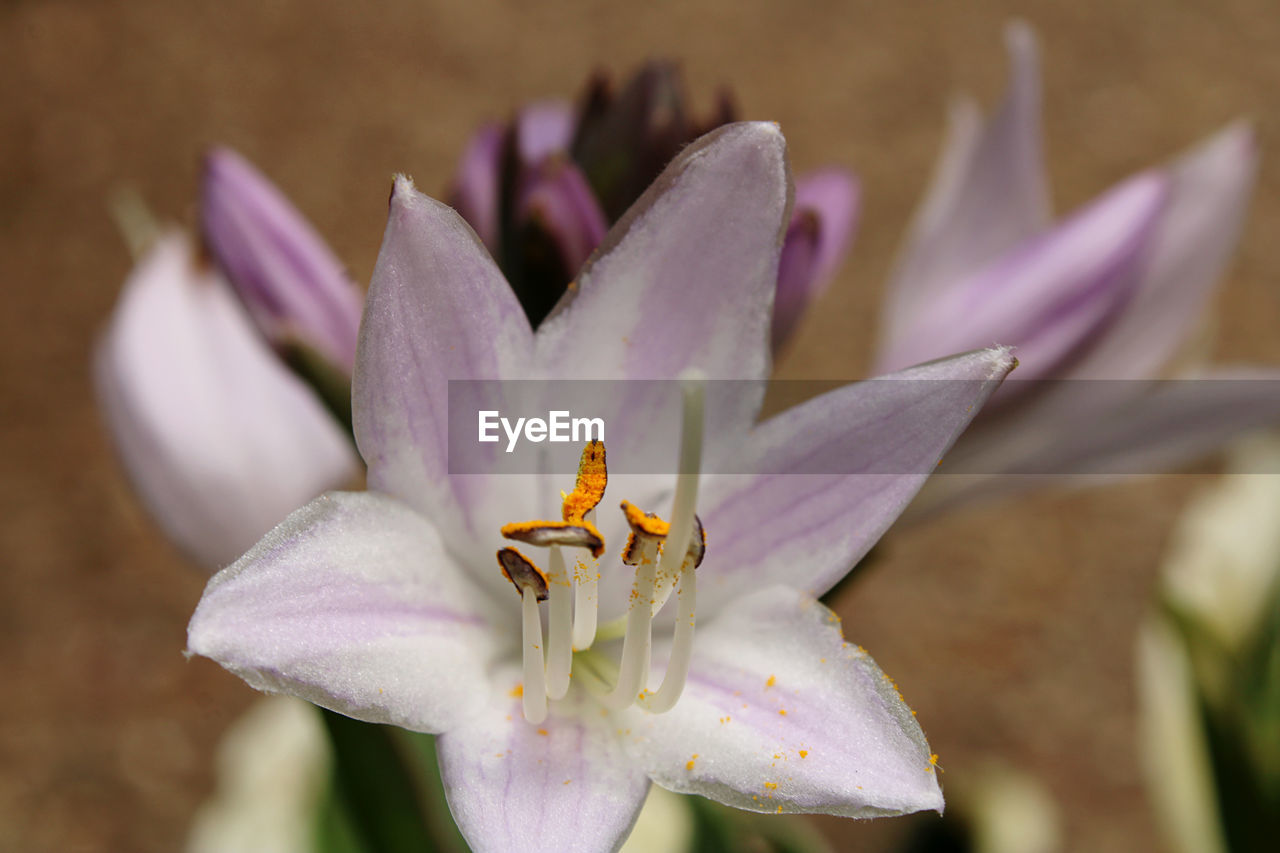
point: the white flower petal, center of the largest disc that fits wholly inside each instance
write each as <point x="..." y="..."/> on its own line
<point x="564" y="784"/>
<point x="781" y="715"/>
<point x="353" y="604"/>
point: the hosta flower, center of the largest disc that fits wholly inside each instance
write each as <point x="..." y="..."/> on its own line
<point x="542" y="191"/>
<point x="389" y="605"/>
<point x="220" y="439"/>
<point x="1111" y="292"/>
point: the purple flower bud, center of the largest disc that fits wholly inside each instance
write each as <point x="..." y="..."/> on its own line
<point x="557" y="202"/>
<point x="823" y="222"/>
<point x="477" y="187"/>
<point x="624" y="140"/>
<point x="543" y="129"/>
<point x="296" y="290"/>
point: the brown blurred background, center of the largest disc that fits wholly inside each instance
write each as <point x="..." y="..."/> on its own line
<point x="1008" y="627"/>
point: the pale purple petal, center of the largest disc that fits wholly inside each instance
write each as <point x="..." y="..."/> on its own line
<point x="221" y="440"/>
<point x="834" y="195"/>
<point x="542" y="129"/>
<point x="685" y="279"/>
<point x="557" y="199"/>
<point x="1134" y="428"/>
<point x="823" y="222"/>
<point x="989" y="191"/>
<point x="438" y="310"/>
<point x="477" y="185"/>
<point x="781" y="715"/>
<point x="564" y="784"/>
<point x="295" y="288"/>
<point x="835" y="473"/>
<point x="797" y="270"/>
<point x="353" y="603"/>
<point x="1194" y="240"/>
<point x="1053" y="296"/>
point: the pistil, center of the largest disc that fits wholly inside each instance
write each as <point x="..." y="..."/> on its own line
<point x="679" y="557"/>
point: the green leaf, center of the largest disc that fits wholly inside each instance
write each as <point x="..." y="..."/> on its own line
<point x="375" y="788"/>
<point x="331" y="384"/>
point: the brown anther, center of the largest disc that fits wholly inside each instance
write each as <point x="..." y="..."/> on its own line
<point x="547" y="533"/>
<point x="631" y="551"/>
<point x="588" y="490"/>
<point x="521" y="571"/>
<point x="697" y="542"/>
<point x="645" y="526"/>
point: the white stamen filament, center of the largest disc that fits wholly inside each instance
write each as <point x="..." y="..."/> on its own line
<point x="633" y="669"/>
<point x="560" y="617"/>
<point x="586" y="600"/>
<point x="681" y="647"/>
<point x="636" y="647"/>
<point x="535" y="679"/>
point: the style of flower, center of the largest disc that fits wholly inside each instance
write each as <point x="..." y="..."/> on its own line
<point x="1111" y="292"/>
<point x="388" y="605"/>
<point x="542" y="191"/>
<point x="220" y="439"/>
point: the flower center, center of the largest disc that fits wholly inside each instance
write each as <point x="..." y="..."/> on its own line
<point x="572" y="599"/>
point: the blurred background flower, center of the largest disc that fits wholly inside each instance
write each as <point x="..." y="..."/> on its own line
<point x="1001" y="622"/>
<point x="1209" y="664"/>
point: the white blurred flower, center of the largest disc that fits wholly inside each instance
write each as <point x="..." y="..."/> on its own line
<point x="665" y="823"/>
<point x="1225" y="552"/>
<point x="272" y="767"/>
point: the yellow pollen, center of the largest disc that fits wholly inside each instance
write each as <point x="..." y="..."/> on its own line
<point x="804" y="753"/>
<point x="690" y="763"/>
<point x="773" y="679"/>
<point x="772" y="786"/>
<point x="542" y="732"/>
<point x="588" y="490"/>
<point x="517" y="691"/>
<point x="521" y="531"/>
<point x="644" y="522"/>
<point x="782" y="712"/>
